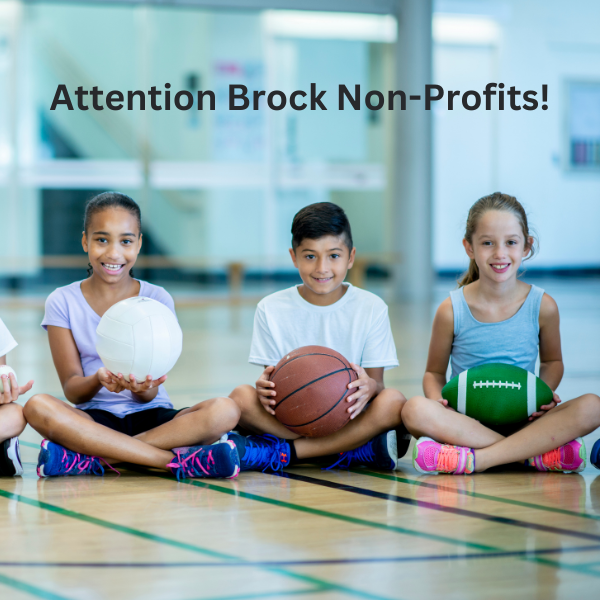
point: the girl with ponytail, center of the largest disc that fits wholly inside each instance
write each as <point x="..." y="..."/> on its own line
<point x="494" y="317"/>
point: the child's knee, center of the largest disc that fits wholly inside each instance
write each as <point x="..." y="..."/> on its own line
<point x="390" y="403"/>
<point x="245" y="396"/>
<point x="414" y="411"/>
<point x="226" y="411"/>
<point x="39" y="406"/>
<point x="12" y="421"/>
<point x="589" y="411"/>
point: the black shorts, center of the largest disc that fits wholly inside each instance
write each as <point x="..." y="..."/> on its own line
<point x="134" y="423"/>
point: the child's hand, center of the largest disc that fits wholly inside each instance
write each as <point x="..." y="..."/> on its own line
<point x="366" y="389"/>
<point x="109" y="381"/>
<point x="136" y="387"/>
<point x="12" y="390"/>
<point x="544" y="409"/>
<point x="266" y="393"/>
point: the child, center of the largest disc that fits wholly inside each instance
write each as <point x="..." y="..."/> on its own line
<point x="12" y="421"/>
<point x="495" y="317"/>
<point x="327" y="312"/>
<point x="113" y="418"/>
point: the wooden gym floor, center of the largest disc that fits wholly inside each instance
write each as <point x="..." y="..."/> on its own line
<point x="307" y="534"/>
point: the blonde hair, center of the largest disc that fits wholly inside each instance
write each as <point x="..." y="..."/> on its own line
<point x="500" y="202"/>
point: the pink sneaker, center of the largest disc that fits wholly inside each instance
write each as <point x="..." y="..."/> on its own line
<point x="569" y="458"/>
<point x="433" y="458"/>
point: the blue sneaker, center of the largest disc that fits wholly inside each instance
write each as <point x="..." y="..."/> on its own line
<point x="261" y="452"/>
<point x="595" y="454"/>
<point x="55" y="460"/>
<point x="379" y="453"/>
<point x="215" y="460"/>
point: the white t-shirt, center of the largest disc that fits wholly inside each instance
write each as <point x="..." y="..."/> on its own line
<point x="7" y="341"/>
<point x="357" y="326"/>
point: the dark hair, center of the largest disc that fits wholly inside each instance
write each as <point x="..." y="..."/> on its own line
<point x="500" y="202"/>
<point x="110" y="200"/>
<point x="318" y="220"/>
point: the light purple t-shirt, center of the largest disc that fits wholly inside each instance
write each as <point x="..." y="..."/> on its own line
<point x="67" y="307"/>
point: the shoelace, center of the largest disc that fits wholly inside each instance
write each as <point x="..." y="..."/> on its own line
<point x="272" y="455"/>
<point x="551" y="460"/>
<point x="447" y="459"/>
<point x="361" y="454"/>
<point x="84" y="463"/>
<point x="191" y="466"/>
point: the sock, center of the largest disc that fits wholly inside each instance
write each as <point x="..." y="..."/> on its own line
<point x="293" y="455"/>
<point x="240" y="444"/>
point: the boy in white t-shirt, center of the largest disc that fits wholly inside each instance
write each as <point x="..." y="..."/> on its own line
<point x="12" y="421"/>
<point x="323" y="311"/>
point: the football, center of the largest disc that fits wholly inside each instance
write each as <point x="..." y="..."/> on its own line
<point x="497" y="394"/>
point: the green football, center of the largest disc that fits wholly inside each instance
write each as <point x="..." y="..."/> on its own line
<point x="497" y="394"/>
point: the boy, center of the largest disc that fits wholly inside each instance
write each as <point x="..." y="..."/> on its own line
<point x="323" y="311"/>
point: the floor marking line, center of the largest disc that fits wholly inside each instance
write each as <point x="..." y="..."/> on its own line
<point x="21" y="586"/>
<point x="479" y="495"/>
<point x="177" y="544"/>
<point x="316" y="590"/>
<point x="554" y="564"/>
<point x="314" y="562"/>
<point x="438" y="507"/>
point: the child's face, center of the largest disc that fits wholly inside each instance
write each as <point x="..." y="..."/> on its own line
<point x="323" y="263"/>
<point x="113" y="242"/>
<point x="499" y="245"/>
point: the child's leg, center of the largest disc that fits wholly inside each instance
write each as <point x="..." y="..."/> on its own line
<point x="12" y="421"/>
<point x="382" y="415"/>
<point x="203" y="423"/>
<point x="428" y="418"/>
<point x="572" y="419"/>
<point x="77" y="431"/>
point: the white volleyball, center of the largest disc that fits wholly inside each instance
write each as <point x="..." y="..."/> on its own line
<point x="5" y="370"/>
<point x="139" y="336"/>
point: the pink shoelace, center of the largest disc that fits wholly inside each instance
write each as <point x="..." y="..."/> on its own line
<point x="191" y="461"/>
<point x="84" y="462"/>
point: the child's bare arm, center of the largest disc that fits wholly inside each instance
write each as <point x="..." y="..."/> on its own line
<point x="440" y="347"/>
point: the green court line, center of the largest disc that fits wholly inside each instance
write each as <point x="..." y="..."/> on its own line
<point x="315" y="581"/>
<point x="562" y="511"/>
<point x="29" y="589"/>
<point x="29" y="444"/>
<point x="316" y="590"/>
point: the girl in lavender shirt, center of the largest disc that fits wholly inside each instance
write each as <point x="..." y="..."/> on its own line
<point x="112" y="418"/>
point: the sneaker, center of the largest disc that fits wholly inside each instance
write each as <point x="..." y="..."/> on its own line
<point x="595" y="455"/>
<point x="261" y="452"/>
<point x="214" y="460"/>
<point x="55" y="460"/>
<point x="10" y="458"/>
<point x="569" y="458"/>
<point x="380" y="453"/>
<point x="431" y="457"/>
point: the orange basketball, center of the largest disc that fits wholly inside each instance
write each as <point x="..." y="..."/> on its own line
<point x="312" y="385"/>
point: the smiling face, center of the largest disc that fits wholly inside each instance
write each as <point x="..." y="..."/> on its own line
<point x="323" y="264"/>
<point x="498" y="245"/>
<point x="113" y="242"/>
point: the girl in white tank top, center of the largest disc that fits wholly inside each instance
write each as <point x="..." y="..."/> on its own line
<point x="495" y="317"/>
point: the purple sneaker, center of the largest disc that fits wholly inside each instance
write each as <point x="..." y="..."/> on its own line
<point x="215" y="460"/>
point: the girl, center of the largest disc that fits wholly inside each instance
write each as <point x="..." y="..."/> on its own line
<point x="495" y="317"/>
<point x="12" y="421"/>
<point x="111" y="417"/>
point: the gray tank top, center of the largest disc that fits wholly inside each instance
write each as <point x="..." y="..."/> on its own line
<point x="512" y="342"/>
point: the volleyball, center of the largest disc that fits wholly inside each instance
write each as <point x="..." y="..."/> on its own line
<point x="5" y="370"/>
<point x="140" y="336"/>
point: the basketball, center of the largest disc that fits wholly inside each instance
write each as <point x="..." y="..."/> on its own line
<point x="312" y="385"/>
<point x="5" y="370"/>
<point x="139" y="336"/>
<point x="497" y="394"/>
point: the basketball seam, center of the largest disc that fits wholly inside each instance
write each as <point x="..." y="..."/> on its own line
<point x="302" y="355"/>
<point x="313" y="381"/>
